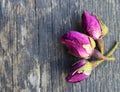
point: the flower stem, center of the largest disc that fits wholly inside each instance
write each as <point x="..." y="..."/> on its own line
<point x="113" y="49"/>
<point x="100" y="43"/>
<point x="108" y="58"/>
<point x="98" y="55"/>
<point x="96" y="63"/>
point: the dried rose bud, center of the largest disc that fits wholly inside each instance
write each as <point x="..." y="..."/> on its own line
<point x="81" y="45"/>
<point x="95" y="28"/>
<point x="91" y="25"/>
<point x="81" y="70"/>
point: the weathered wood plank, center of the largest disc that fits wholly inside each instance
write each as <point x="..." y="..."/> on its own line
<point x="31" y="56"/>
<point x="19" y="40"/>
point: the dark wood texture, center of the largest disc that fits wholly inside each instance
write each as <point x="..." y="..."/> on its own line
<point x="31" y="57"/>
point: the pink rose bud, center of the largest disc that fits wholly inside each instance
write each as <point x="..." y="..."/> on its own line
<point x="81" y="70"/>
<point x="94" y="27"/>
<point x="91" y="25"/>
<point x="80" y="45"/>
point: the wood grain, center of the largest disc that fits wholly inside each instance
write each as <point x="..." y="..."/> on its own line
<point x="31" y="56"/>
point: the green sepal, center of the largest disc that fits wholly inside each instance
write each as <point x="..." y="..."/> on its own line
<point x="86" y="69"/>
<point x="104" y="28"/>
<point x="93" y="44"/>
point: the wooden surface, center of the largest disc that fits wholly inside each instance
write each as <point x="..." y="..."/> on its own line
<point x="31" y="57"/>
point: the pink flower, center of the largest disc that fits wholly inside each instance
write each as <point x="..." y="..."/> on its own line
<point x="95" y="28"/>
<point x="81" y="70"/>
<point x="80" y="45"/>
<point x="91" y="25"/>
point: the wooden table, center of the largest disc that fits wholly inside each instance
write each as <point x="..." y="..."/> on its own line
<point x="31" y="56"/>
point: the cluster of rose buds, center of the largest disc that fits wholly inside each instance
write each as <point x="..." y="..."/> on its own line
<point x="82" y="45"/>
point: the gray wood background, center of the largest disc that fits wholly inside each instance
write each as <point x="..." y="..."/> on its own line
<point x="31" y="57"/>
